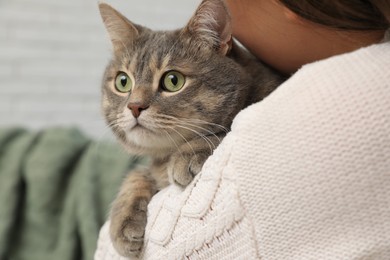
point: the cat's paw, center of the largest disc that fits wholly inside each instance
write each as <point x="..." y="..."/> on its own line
<point x="182" y="168"/>
<point x="127" y="227"/>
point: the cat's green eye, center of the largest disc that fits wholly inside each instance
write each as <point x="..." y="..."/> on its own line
<point x="173" y="81"/>
<point x="123" y="82"/>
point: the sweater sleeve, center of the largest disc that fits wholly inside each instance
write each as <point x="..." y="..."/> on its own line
<point x="304" y="174"/>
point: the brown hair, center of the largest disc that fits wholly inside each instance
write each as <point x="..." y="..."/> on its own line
<point x="358" y="15"/>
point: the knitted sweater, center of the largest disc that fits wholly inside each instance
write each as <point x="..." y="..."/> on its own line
<point x="304" y="174"/>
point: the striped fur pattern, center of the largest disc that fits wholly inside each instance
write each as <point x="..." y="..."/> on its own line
<point x="179" y="130"/>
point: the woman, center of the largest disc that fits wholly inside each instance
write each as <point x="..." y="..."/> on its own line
<point x="304" y="174"/>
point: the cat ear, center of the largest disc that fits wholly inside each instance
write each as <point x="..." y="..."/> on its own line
<point x="120" y="29"/>
<point x="211" y="24"/>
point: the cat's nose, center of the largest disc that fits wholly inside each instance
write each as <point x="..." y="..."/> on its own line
<point x="136" y="108"/>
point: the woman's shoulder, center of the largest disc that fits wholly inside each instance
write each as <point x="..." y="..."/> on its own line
<point x="337" y="86"/>
<point x="371" y="59"/>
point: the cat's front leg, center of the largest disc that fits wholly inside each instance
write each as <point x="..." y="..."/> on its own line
<point x="129" y="213"/>
<point x="190" y="157"/>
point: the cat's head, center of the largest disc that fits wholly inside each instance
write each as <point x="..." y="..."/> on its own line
<point x="163" y="88"/>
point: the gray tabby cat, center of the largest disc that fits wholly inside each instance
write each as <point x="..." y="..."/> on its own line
<point x="172" y="95"/>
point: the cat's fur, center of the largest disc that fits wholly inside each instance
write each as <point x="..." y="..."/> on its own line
<point x="178" y="130"/>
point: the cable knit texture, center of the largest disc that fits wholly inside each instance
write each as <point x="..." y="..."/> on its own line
<point x="304" y="174"/>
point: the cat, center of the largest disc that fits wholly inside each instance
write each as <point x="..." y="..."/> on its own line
<point x="172" y="95"/>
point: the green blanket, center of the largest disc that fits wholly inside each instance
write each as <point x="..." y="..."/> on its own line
<point x="55" y="190"/>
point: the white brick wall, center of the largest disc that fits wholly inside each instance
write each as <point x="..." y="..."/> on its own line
<point x="53" y="54"/>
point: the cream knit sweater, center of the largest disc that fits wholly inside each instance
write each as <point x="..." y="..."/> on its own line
<point x="304" y="174"/>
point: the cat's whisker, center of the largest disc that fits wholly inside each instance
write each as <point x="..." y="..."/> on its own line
<point x="202" y="128"/>
<point x="182" y="136"/>
<point x="113" y="124"/>
<point x="195" y="120"/>
<point x="170" y="137"/>
<point x="161" y="121"/>
<point x="205" y="138"/>
<point x="179" y="123"/>
<point x="107" y="130"/>
<point x="118" y="121"/>
<point x="108" y="127"/>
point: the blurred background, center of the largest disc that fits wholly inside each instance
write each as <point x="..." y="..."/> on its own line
<point x="53" y="54"/>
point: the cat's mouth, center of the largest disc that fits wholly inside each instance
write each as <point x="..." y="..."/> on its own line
<point x="139" y="128"/>
<point x="136" y="126"/>
<point x="144" y="140"/>
<point x="137" y="132"/>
